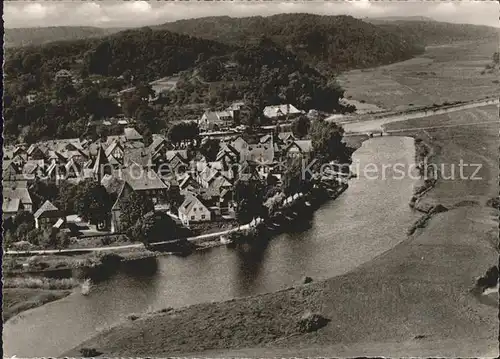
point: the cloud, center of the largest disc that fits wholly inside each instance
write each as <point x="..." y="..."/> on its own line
<point x="142" y="13"/>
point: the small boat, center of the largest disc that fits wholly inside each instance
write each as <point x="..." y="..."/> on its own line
<point x="86" y="286"/>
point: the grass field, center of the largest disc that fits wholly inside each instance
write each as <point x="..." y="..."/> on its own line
<point x="442" y="74"/>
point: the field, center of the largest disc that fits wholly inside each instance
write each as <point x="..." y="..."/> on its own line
<point x="470" y="140"/>
<point x="416" y="299"/>
<point x="442" y="74"/>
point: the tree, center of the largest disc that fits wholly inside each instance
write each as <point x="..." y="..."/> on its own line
<point x="66" y="197"/>
<point x="133" y="207"/>
<point x="249" y="202"/>
<point x="24" y="217"/>
<point x="92" y="202"/>
<point x="147" y="119"/>
<point x="156" y="227"/>
<point x="41" y="191"/>
<point x="300" y="126"/>
<point x="327" y="141"/>
<point x="184" y="131"/>
<point x="210" y="148"/>
<point x="274" y="203"/>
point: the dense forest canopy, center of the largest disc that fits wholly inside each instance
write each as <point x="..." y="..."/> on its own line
<point x="147" y="54"/>
<point x="338" y="41"/>
<point x="436" y="33"/>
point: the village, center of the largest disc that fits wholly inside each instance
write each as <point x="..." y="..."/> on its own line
<point x="196" y="179"/>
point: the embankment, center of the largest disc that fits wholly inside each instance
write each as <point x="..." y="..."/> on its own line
<point x="17" y="300"/>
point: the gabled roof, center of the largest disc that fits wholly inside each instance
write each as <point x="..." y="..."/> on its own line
<point x="285" y="136"/>
<point x="265" y="138"/>
<point x="261" y="153"/>
<point x="11" y="205"/>
<point x="111" y="183"/>
<point x="142" y="179"/>
<point x="220" y="182"/>
<point x="44" y="208"/>
<point x="131" y="134"/>
<point x="280" y="110"/>
<point x="189" y="202"/>
<point x="114" y="144"/>
<point x="182" y="154"/>
<point x="140" y="156"/>
<point x="100" y="161"/>
<point x="188" y="179"/>
<point x="305" y="146"/>
<point x="20" y="193"/>
<point x="239" y="144"/>
<point x="158" y="142"/>
<point x="31" y="166"/>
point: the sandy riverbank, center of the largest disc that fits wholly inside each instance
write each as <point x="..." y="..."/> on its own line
<point x="415" y="298"/>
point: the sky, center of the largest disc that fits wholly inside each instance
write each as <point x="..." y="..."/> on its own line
<point x="142" y="13"/>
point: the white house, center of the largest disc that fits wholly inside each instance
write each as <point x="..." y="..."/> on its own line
<point x="279" y="111"/>
<point x="193" y="210"/>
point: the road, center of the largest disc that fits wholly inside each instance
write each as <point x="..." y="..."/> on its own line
<point x="441" y="126"/>
<point x="126" y="246"/>
<point x="376" y="125"/>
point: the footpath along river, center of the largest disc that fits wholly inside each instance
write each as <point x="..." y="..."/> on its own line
<point x="368" y="219"/>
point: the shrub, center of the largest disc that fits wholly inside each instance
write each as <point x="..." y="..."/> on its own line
<point x="310" y="322"/>
<point x="89" y="352"/>
<point x="489" y="280"/>
<point x="132" y="317"/>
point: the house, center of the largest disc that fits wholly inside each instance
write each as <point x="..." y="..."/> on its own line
<point x="101" y="165"/>
<point x="131" y="134"/>
<point x="63" y="75"/>
<point x="115" y="150"/>
<point x="137" y="156"/>
<point x="279" y="112"/>
<point x="18" y="191"/>
<point x="47" y="215"/>
<point x="145" y="181"/>
<point x="10" y="207"/>
<point x="286" y="137"/>
<point x="193" y="210"/>
<point x="213" y="121"/>
<point x="11" y="171"/>
<point x="228" y="154"/>
<point x="240" y="145"/>
<point x="31" y="97"/>
<point x="188" y="183"/>
<point x="35" y="153"/>
<point x="299" y="149"/>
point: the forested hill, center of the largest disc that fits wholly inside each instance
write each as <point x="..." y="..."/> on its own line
<point x="436" y="33"/>
<point x="28" y="36"/>
<point x="341" y="42"/>
<point x="143" y="53"/>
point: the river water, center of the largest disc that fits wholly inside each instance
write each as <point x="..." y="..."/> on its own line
<point x="369" y="218"/>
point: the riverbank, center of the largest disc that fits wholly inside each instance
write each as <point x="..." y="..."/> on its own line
<point x="18" y="300"/>
<point x="414" y="298"/>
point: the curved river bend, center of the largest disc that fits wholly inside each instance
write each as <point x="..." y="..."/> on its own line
<point x="369" y="218"/>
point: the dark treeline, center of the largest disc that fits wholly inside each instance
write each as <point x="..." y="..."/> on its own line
<point x="340" y="42"/>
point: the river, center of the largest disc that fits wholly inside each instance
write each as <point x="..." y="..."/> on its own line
<point x="366" y="220"/>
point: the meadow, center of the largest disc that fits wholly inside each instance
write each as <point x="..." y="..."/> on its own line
<point x="445" y="73"/>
